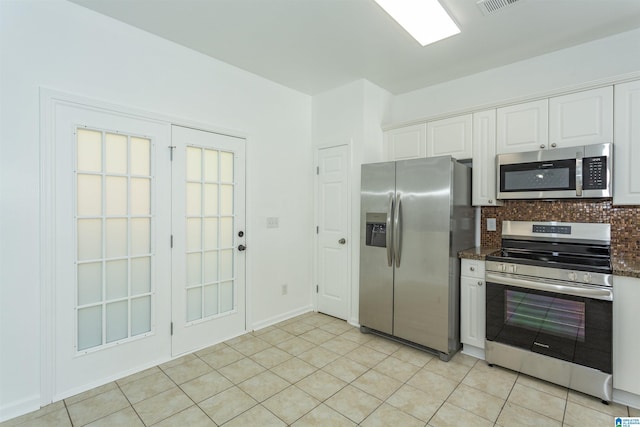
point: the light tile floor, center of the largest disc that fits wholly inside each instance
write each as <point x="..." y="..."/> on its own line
<point x="315" y="370"/>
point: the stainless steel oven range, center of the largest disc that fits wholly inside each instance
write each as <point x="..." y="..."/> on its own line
<point x="549" y="304"/>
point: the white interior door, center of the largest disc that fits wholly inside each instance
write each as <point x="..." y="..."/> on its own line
<point x="333" y="222"/>
<point x="111" y="292"/>
<point x="208" y="220"/>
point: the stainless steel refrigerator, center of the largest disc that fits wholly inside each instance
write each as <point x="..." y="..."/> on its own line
<point x="415" y="217"/>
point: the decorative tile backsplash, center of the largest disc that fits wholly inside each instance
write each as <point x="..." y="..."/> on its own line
<point x="624" y="220"/>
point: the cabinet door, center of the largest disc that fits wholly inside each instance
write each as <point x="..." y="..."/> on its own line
<point x="450" y="136"/>
<point x="484" y="158"/>
<point x="581" y="118"/>
<point x="626" y="345"/>
<point x="523" y="127"/>
<point x="472" y="311"/>
<point x="626" y="149"/>
<point x="407" y="142"/>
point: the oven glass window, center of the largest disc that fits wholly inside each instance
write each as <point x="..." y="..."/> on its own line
<point x="540" y="313"/>
<point x="537" y="179"/>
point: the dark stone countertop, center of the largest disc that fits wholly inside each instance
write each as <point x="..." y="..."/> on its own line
<point x="626" y="266"/>
<point x="477" y="253"/>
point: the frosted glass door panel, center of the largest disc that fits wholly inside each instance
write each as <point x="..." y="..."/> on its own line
<point x="140" y="156"/>
<point x="117" y="279"/>
<point x="116" y="153"/>
<point x="89" y="150"/>
<point x="113" y="237"/>
<point x="89" y="195"/>
<point x="208" y="202"/>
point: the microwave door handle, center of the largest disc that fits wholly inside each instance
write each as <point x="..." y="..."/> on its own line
<point x="579" y="174"/>
<point x="389" y="232"/>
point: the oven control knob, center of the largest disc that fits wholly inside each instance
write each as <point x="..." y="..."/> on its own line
<point x="573" y="276"/>
<point x="512" y="268"/>
<point x="503" y="267"/>
<point x="587" y="277"/>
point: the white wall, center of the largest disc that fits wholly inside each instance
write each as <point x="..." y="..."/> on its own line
<point x="352" y="114"/>
<point x="590" y="62"/>
<point x="62" y="46"/>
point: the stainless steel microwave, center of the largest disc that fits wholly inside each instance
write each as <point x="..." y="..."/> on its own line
<point x="562" y="173"/>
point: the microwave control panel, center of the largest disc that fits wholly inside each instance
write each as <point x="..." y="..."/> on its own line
<point x="594" y="173"/>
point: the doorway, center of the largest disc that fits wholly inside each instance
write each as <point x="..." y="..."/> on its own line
<point x="144" y="236"/>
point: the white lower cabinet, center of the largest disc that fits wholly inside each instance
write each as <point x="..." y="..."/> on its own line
<point x="626" y="337"/>
<point x="472" y="307"/>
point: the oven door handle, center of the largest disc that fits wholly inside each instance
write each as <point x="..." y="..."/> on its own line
<point x="549" y="285"/>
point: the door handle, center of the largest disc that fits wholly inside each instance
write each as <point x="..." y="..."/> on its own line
<point x="397" y="230"/>
<point x="242" y="248"/>
<point x="342" y="241"/>
<point x="389" y="232"/>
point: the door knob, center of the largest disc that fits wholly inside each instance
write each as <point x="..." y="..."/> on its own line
<point x="342" y="241"/>
<point x="242" y="248"/>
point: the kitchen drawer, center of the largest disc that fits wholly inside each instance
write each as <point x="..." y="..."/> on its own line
<point x="472" y="268"/>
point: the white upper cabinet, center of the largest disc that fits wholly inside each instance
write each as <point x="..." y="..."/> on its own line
<point x="626" y="148"/>
<point x="523" y="127"/>
<point x="484" y="159"/>
<point x="581" y="118"/>
<point x="450" y="136"/>
<point x="407" y="142"/>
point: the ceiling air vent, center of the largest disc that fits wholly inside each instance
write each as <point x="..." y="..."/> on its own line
<point x="492" y="6"/>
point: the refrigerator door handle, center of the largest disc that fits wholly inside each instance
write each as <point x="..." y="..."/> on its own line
<point x="397" y="230"/>
<point x="389" y="233"/>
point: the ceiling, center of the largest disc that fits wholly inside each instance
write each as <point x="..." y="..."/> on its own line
<point x="315" y="45"/>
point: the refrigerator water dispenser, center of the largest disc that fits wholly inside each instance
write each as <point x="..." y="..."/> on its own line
<point x="376" y="229"/>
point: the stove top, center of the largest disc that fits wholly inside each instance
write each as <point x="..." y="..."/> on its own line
<point x="567" y="246"/>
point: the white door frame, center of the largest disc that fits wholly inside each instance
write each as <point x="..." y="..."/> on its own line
<point x="316" y="221"/>
<point x="49" y="99"/>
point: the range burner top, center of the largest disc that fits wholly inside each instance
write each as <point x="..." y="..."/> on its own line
<point x="568" y="246"/>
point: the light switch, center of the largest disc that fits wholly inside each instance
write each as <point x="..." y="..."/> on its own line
<point x="491" y="224"/>
<point x="273" y="222"/>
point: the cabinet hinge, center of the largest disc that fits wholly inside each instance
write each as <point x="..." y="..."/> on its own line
<point x="171" y="243"/>
<point x="317" y="288"/>
<point x="171" y="328"/>
<point x="317" y="170"/>
<point x="171" y="148"/>
<point x="317" y="229"/>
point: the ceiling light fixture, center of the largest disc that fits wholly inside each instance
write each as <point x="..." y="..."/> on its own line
<point x="426" y="20"/>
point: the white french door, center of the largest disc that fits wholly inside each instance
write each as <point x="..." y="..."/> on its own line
<point x="111" y="291"/>
<point x="208" y="220"/>
<point x="333" y="223"/>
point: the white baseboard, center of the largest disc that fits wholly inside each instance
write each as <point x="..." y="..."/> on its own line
<point x="476" y="352"/>
<point x="281" y="317"/>
<point x="21" y="407"/>
<point x="626" y="398"/>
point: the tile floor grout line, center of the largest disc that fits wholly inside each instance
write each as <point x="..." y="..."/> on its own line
<point x="130" y="404"/>
<point x="66" y="407"/>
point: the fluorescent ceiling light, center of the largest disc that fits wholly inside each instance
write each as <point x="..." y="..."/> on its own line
<point x="425" y="20"/>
